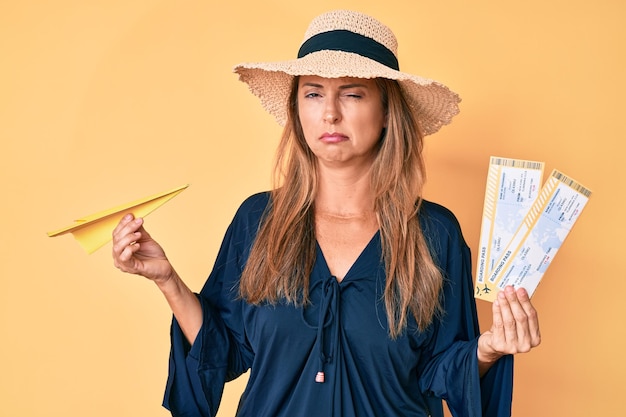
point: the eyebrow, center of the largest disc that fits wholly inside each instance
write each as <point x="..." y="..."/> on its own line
<point x="341" y="87"/>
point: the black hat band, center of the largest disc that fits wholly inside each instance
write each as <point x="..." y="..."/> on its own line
<point x="346" y="41"/>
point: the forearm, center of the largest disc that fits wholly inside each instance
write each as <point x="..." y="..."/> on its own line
<point x="184" y="304"/>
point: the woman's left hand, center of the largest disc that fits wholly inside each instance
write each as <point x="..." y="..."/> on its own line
<point x="515" y="328"/>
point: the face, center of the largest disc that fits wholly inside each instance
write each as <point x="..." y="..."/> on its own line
<point x="342" y="118"/>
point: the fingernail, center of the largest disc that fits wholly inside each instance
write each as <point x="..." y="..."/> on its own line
<point x="128" y="217"/>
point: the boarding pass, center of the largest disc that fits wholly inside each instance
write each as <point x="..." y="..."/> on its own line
<point x="540" y="228"/>
<point x="512" y="187"/>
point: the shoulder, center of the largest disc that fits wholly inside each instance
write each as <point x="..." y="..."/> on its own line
<point x="256" y="203"/>
<point x="442" y="230"/>
<point x="250" y="212"/>
<point x="437" y="217"/>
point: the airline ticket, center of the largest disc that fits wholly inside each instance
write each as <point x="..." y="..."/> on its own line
<point x="512" y="187"/>
<point x="539" y="237"/>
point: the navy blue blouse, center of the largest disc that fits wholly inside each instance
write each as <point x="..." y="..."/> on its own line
<point x="342" y="333"/>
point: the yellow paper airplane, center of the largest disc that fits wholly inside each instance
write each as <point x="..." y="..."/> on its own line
<point x="94" y="231"/>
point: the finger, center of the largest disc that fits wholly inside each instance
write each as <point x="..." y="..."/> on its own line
<point x="126" y="231"/>
<point x="120" y="243"/>
<point x="128" y="224"/>
<point x="143" y="232"/>
<point x="126" y="261"/>
<point x="531" y="314"/>
<point x="123" y="222"/>
<point x="126" y="255"/>
<point x="524" y="338"/>
<point x="509" y="325"/>
<point x="525" y="319"/>
<point x="498" y="338"/>
<point x="124" y="237"/>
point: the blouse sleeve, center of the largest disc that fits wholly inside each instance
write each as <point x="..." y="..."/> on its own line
<point x="220" y="353"/>
<point x="452" y="373"/>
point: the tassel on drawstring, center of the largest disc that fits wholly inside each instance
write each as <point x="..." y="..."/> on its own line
<point x="319" y="377"/>
<point x="328" y="305"/>
<point x="328" y="311"/>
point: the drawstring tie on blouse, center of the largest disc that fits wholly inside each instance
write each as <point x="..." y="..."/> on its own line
<point x="328" y="313"/>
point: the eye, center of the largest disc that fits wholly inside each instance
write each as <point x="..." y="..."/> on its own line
<point x="311" y="95"/>
<point x="353" y="95"/>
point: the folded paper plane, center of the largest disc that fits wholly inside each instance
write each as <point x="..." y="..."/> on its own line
<point x="94" y="231"/>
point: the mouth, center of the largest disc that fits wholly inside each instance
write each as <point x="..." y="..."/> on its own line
<point x="334" y="137"/>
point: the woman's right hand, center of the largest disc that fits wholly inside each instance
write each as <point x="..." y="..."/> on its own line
<point x="135" y="252"/>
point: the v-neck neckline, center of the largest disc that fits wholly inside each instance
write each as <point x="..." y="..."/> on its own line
<point x="320" y="254"/>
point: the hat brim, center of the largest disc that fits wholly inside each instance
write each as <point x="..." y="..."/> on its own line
<point x="433" y="103"/>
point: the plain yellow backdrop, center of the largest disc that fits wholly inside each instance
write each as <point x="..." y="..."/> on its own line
<point x="103" y="102"/>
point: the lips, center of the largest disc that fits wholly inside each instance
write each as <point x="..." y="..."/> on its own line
<point x="334" y="137"/>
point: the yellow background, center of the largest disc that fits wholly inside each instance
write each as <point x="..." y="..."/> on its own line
<point x="103" y="102"/>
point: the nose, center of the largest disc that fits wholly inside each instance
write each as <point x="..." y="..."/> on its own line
<point x="331" y="112"/>
<point x="331" y="117"/>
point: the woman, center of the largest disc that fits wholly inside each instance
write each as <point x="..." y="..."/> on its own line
<point x="342" y="290"/>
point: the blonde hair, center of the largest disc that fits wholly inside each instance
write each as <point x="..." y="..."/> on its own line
<point x="283" y="254"/>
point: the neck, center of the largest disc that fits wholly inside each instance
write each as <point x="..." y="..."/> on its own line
<point x="344" y="193"/>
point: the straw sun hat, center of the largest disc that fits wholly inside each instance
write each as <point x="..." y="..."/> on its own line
<point x="345" y="43"/>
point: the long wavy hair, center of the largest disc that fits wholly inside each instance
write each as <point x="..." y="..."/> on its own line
<point x="283" y="254"/>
